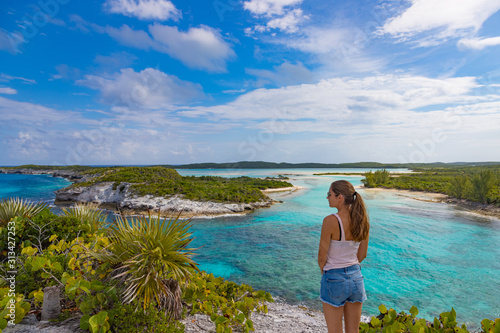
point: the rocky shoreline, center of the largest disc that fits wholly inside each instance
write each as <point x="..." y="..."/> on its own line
<point x="281" y="317"/>
<point x="120" y="198"/>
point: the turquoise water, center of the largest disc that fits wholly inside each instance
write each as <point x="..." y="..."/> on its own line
<point x="33" y="187"/>
<point x="430" y="255"/>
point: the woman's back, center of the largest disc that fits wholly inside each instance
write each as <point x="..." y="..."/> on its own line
<point x="342" y="253"/>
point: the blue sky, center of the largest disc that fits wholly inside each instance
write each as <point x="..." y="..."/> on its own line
<point x="173" y="82"/>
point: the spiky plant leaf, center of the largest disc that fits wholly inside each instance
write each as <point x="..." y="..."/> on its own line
<point x="89" y="214"/>
<point x="13" y="207"/>
<point x="150" y="256"/>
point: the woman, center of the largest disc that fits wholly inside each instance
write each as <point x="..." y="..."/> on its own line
<point x="343" y="245"/>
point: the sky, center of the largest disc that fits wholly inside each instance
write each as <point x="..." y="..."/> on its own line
<point x="142" y="82"/>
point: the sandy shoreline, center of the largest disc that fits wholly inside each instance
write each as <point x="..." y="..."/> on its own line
<point x="468" y="206"/>
<point x="282" y="189"/>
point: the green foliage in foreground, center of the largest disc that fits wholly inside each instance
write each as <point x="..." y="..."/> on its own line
<point x="13" y="207"/>
<point x="228" y="304"/>
<point x="149" y="256"/>
<point x="90" y="287"/>
<point x="159" y="181"/>
<point x="125" y="318"/>
<point x="389" y="321"/>
<point x="479" y="184"/>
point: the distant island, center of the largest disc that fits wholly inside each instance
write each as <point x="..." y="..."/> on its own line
<point x="136" y="190"/>
<point x="476" y="188"/>
<point x="356" y="165"/>
<point x="473" y="185"/>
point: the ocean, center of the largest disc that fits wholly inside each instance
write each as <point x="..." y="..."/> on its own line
<point x="432" y="255"/>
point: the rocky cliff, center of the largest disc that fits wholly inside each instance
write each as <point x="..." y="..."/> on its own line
<point x="121" y="198"/>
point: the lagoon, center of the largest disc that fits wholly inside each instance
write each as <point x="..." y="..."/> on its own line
<point x="431" y="255"/>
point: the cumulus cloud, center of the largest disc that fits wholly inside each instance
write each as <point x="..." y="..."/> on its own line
<point x="144" y="9"/>
<point x="440" y="19"/>
<point x="201" y="47"/>
<point x="400" y="117"/>
<point x="376" y="99"/>
<point x="149" y="88"/>
<point x="129" y="37"/>
<point x="29" y="144"/>
<point x="269" y="7"/>
<point x="277" y="14"/>
<point x="8" y="91"/>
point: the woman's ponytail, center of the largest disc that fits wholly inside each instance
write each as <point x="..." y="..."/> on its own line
<point x="360" y="226"/>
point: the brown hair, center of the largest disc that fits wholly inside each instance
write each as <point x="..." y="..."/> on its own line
<point x="360" y="225"/>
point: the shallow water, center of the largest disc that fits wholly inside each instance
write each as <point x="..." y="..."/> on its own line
<point x="430" y="255"/>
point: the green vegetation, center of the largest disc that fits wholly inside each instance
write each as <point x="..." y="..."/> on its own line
<point x="159" y="181"/>
<point x="143" y="253"/>
<point x="135" y="276"/>
<point x="474" y="183"/>
<point x="390" y="321"/>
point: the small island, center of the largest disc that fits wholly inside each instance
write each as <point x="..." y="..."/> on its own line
<point x="474" y="188"/>
<point x="158" y="189"/>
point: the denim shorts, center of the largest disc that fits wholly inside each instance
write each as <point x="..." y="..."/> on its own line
<point x="340" y="285"/>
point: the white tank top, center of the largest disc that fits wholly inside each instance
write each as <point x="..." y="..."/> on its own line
<point x="341" y="253"/>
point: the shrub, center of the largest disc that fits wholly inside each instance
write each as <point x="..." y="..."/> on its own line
<point x="130" y="318"/>
<point x="150" y="257"/>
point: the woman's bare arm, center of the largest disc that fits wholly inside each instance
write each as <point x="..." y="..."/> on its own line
<point x="363" y="249"/>
<point x="324" y="242"/>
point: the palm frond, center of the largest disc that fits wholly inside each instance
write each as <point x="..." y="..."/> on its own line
<point x="150" y="253"/>
<point x="13" y="207"/>
<point x="91" y="216"/>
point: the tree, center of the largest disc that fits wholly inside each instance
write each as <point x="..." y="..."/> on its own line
<point x="459" y="187"/>
<point x="482" y="184"/>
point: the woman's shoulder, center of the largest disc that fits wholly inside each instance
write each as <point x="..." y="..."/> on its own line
<point x="332" y="217"/>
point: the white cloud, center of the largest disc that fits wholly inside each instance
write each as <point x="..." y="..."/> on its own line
<point x="288" y="23"/>
<point x="443" y="19"/>
<point x="339" y="49"/>
<point x="149" y="88"/>
<point x="29" y="144"/>
<point x="144" y="9"/>
<point x="284" y="74"/>
<point x="202" y="47"/>
<point x="375" y="99"/>
<point x="8" y="91"/>
<point x="127" y="36"/>
<point x="269" y="7"/>
<point x="278" y="14"/>
<point x="479" y="43"/>
<point x="14" y="113"/>
<point x="199" y="47"/>
<point x="6" y="78"/>
<point x="395" y="117"/>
